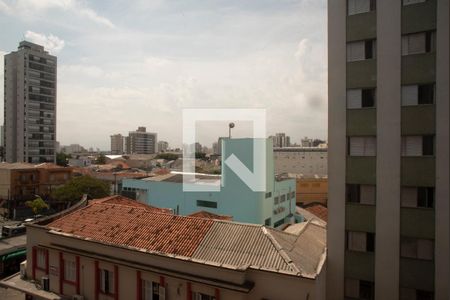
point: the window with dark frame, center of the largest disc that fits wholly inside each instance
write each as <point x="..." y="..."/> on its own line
<point x="368" y="98"/>
<point x="366" y="290"/>
<point x="428" y="145"/>
<point x="425" y="197"/>
<point x="205" y="203"/>
<point x="426" y="94"/>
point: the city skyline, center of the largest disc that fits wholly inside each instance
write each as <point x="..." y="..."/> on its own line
<point x="125" y="65"/>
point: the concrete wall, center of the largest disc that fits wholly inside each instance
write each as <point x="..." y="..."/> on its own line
<point x="309" y="162"/>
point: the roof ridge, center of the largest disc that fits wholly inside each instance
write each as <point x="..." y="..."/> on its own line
<point x="287" y="259"/>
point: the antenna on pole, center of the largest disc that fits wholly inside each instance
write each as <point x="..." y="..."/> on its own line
<point x="231" y="125"/>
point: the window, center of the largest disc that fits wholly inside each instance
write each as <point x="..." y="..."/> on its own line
<point x="360" y="6"/>
<point x="278" y="223"/>
<point x="422" y="197"/>
<point x="151" y="290"/>
<point x="357" y="98"/>
<point x="70" y="271"/>
<point x="361" y="50"/>
<point x="200" y="296"/>
<point x="409" y="2"/>
<point x="416" y="43"/>
<point x="417" y="248"/>
<point x="269" y="194"/>
<point x="363" y="194"/>
<point x="292" y="195"/>
<point x="359" y="289"/>
<point x="41" y="258"/>
<point x="417" y="145"/>
<point x="418" y="94"/>
<point x="276" y="200"/>
<point x="106" y="281"/>
<point x="362" y="146"/>
<point x="360" y="241"/>
<point x="268" y="222"/>
<point x="283" y="198"/>
<point x="409" y="293"/>
<point x="204" y="203"/>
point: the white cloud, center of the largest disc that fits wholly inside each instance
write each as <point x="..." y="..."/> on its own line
<point x="29" y="8"/>
<point x="51" y="43"/>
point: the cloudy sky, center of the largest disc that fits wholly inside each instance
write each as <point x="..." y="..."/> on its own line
<point x="124" y="64"/>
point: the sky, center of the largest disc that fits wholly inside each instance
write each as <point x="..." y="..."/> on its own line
<point x="129" y="63"/>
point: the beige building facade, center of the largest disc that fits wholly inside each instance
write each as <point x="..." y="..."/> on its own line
<point x="388" y="233"/>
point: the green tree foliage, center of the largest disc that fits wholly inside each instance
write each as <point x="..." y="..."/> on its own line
<point x="200" y="155"/>
<point x="101" y="159"/>
<point x="73" y="190"/>
<point x="37" y="205"/>
<point x="167" y="156"/>
<point x="62" y="159"/>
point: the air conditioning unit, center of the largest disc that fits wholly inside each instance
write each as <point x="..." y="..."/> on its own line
<point x="77" y="297"/>
<point x="45" y="283"/>
<point x="23" y="269"/>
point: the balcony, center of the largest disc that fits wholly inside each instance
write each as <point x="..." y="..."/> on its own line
<point x="362" y="26"/>
<point x="361" y="170"/>
<point x="417" y="222"/>
<point x="419" y="17"/>
<point x="418" y="171"/>
<point x="362" y="122"/>
<point x="360" y="217"/>
<point x="425" y="113"/>
<point x="359" y="265"/>
<point x="419" y="68"/>
<point x="362" y="74"/>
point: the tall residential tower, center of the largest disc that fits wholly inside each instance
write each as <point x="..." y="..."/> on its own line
<point x="30" y="104"/>
<point x="388" y="224"/>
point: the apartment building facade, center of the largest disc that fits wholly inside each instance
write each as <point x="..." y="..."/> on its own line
<point x="117" y="144"/>
<point x="141" y="142"/>
<point x="30" y="104"/>
<point x="309" y="161"/>
<point x="388" y="227"/>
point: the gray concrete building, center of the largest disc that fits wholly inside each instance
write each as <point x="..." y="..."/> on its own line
<point x="141" y="142"/>
<point x="388" y="85"/>
<point x="117" y="143"/>
<point x="30" y="104"/>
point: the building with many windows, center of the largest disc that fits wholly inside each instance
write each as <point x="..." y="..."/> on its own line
<point x="141" y="142"/>
<point x="117" y="248"/>
<point x="117" y="143"/>
<point x="30" y="105"/>
<point x="388" y="160"/>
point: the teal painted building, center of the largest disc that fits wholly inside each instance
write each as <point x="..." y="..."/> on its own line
<point x="233" y="197"/>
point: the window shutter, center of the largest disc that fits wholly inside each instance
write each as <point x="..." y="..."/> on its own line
<point x="357" y="241"/>
<point x="370" y="146"/>
<point x="354" y="98"/>
<point x="102" y="280"/>
<point x="425" y="249"/>
<point x="416" y="43"/>
<point x="408" y="247"/>
<point x="367" y="194"/>
<point x="410" y="95"/>
<point x="356" y="51"/>
<point x="409" y="197"/>
<point x="412" y="146"/>
<point x="351" y="6"/>
<point x="362" y="6"/>
<point x="356" y="146"/>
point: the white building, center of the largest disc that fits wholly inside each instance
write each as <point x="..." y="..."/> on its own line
<point x="30" y="104"/>
<point x="298" y="160"/>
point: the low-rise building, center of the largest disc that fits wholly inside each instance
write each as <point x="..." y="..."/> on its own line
<point x="309" y="161"/>
<point x="311" y="190"/>
<point x="229" y="195"/>
<point x="117" y="248"/>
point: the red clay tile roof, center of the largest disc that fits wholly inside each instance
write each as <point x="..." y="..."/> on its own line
<point x="208" y="215"/>
<point x="318" y="210"/>
<point x="121" y="200"/>
<point x="109" y="222"/>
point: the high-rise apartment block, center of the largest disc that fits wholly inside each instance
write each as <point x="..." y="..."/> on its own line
<point x="163" y="146"/>
<point x="388" y="160"/>
<point x="141" y="142"/>
<point x="117" y="142"/>
<point x="281" y="140"/>
<point x="30" y="104"/>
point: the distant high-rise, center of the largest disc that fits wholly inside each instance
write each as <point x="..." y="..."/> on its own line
<point x="388" y="151"/>
<point x="117" y="142"/>
<point x="281" y="140"/>
<point x="141" y="142"/>
<point x="30" y="104"/>
<point x="163" y="146"/>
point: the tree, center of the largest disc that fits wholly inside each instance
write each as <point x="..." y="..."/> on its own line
<point x="62" y="159"/>
<point x="74" y="190"/>
<point x="200" y="155"/>
<point x="37" y="205"/>
<point x="167" y="156"/>
<point x="101" y="159"/>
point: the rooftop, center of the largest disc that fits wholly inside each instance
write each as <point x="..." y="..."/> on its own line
<point x="209" y="215"/>
<point x="125" y="223"/>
